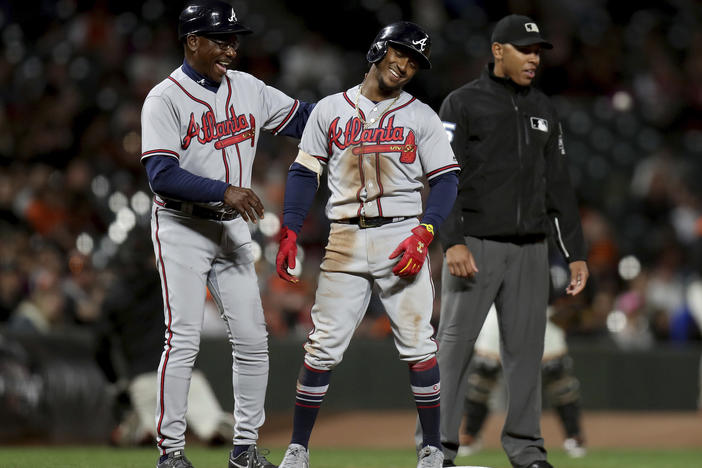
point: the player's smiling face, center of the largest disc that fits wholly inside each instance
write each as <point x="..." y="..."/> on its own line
<point x="212" y="56"/>
<point x="395" y="70"/>
<point x="519" y="63"/>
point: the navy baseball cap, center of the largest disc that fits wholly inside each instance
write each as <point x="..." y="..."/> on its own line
<point x="518" y="30"/>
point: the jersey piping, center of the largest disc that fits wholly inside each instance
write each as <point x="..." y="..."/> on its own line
<point x="224" y="153"/>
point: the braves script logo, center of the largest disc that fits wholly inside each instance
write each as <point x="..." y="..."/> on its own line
<point x="422" y="43"/>
<point x="384" y="140"/>
<point x="228" y="132"/>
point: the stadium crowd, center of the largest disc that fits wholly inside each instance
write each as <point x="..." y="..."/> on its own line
<point x="74" y="199"/>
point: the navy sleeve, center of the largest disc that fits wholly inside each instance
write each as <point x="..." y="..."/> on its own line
<point x="442" y="194"/>
<point x="299" y="195"/>
<point x="168" y="179"/>
<point x="297" y="124"/>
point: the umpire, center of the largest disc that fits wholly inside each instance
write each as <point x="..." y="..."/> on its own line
<point x="514" y="190"/>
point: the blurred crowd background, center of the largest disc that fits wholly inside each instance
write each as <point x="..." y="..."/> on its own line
<point x="75" y="202"/>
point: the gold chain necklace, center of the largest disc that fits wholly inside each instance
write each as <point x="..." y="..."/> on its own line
<point x="358" y="110"/>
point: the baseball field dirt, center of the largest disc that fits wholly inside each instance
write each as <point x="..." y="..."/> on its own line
<point x="395" y="429"/>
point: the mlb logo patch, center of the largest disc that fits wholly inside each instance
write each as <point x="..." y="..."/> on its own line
<point x="539" y="124"/>
<point x="531" y="27"/>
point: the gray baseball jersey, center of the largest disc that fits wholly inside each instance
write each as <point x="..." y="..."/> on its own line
<point x="375" y="169"/>
<point x="378" y="170"/>
<point x="212" y="135"/>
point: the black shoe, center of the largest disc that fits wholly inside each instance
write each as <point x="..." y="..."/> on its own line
<point x="175" y="459"/>
<point x="539" y="464"/>
<point x="448" y="462"/>
<point x="250" y="459"/>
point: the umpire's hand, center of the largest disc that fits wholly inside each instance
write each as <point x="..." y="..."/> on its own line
<point x="460" y="261"/>
<point x="244" y="201"/>
<point x="578" y="277"/>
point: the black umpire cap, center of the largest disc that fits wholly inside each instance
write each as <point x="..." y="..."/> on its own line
<point x="518" y="30"/>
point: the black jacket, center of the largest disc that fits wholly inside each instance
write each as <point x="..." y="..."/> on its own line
<point x="514" y="182"/>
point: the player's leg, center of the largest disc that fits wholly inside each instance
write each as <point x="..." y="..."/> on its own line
<point x="342" y="297"/>
<point x="465" y="303"/>
<point x="234" y="287"/>
<point x="183" y="253"/>
<point x="521" y="305"/>
<point x="563" y="392"/>
<point x="340" y="303"/>
<point x="483" y="374"/>
<point x="408" y="303"/>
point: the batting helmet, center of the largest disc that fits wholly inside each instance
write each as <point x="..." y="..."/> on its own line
<point x="209" y="17"/>
<point x="405" y="35"/>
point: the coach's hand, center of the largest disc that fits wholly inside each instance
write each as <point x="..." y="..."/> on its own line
<point x="287" y="251"/>
<point x="244" y="201"/>
<point x="415" y="248"/>
<point x="460" y="261"/>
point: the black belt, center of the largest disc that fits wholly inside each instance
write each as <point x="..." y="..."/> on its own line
<point x="364" y="222"/>
<point x="200" y="211"/>
<point x="515" y="239"/>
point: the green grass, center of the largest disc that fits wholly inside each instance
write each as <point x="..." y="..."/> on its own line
<point x="94" y="457"/>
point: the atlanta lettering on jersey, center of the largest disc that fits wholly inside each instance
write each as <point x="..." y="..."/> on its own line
<point x="355" y="134"/>
<point x="236" y="129"/>
<point x="388" y="139"/>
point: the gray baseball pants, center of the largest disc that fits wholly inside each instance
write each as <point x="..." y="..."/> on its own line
<point x="516" y="278"/>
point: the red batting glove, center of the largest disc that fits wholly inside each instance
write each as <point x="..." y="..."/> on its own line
<point x="415" y="248"/>
<point x="287" y="250"/>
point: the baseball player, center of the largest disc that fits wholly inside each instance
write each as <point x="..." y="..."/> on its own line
<point x="378" y="143"/>
<point x="200" y="128"/>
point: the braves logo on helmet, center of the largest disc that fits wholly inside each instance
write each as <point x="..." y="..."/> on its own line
<point x="209" y="17"/>
<point x="422" y="43"/>
<point x="403" y="34"/>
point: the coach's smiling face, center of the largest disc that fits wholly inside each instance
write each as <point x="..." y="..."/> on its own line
<point x="212" y="56"/>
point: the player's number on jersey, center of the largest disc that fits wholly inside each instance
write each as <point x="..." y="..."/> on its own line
<point x="450" y="127"/>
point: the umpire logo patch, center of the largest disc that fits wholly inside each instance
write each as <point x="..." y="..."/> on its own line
<point x="539" y="124"/>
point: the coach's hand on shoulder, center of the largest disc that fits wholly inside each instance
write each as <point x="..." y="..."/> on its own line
<point x="244" y="201"/>
<point x="460" y="261"/>
<point x="287" y="251"/>
<point x="578" y="277"/>
<point x="415" y="249"/>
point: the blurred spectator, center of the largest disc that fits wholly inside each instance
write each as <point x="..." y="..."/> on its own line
<point x="42" y="311"/>
<point x="10" y="290"/>
<point x="635" y="333"/>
